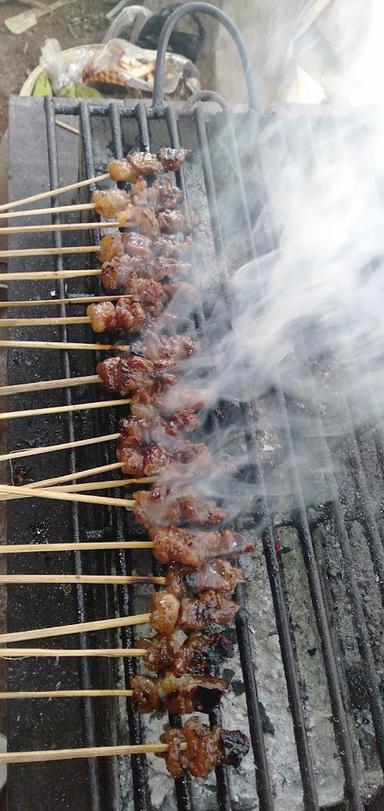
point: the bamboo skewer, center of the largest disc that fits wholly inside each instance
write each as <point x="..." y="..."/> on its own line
<point x="58" y="579"/>
<point x="66" y="226"/>
<point x="34" y="412"/>
<point x="82" y="546"/>
<point x="105" y="484"/>
<point x="56" y="301"/>
<point x="57" y="321"/>
<point x="7" y="696"/>
<point x="37" y="212"/>
<point x="68" y="127"/>
<point x="53" y="192"/>
<point x="63" y="446"/>
<point x="56" y="653"/>
<point x="43" y="275"/>
<point x="59" y="495"/>
<point x="81" y="474"/>
<point x="48" y="385"/>
<point x="62" y="345"/>
<point x="77" y="628"/>
<point x="49" y="251"/>
<point x="95" y="751"/>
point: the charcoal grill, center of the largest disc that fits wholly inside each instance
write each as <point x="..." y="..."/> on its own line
<point x="335" y="549"/>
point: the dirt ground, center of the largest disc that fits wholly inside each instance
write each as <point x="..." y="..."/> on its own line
<point x="77" y="24"/>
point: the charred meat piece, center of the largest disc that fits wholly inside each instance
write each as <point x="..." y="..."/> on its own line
<point x="165" y="347"/>
<point x="171" y="247"/>
<point x="178" y="694"/>
<point x="196" y="654"/>
<point x="218" y="574"/>
<point x="135" y="165"/>
<point x="210" y="609"/>
<point x="115" y="273"/>
<point x="163" y="506"/>
<point x="126" y="316"/>
<point x="145" y="405"/>
<point x="165" y="609"/>
<point x="132" y="244"/>
<point x="138" y="432"/>
<point x="206" y="748"/>
<point x="169" y="196"/>
<point x="177" y="545"/>
<point x="171" y="159"/>
<point x="109" y="202"/>
<point x="172" y="221"/>
<point x="149" y="459"/>
<point x="140" y="218"/>
<point x="122" y="375"/>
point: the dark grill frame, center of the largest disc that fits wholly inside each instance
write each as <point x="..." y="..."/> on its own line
<point x="300" y="519"/>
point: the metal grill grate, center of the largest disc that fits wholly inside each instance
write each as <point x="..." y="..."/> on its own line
<point x="221" y="161"/>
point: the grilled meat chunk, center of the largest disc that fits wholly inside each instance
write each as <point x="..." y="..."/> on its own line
<point x="109" y="202"/>
<point x="163" y="506"/>
<point x="165" y="347"/>
<point x="149" y="459"/>
<point x="147" y="404"/>
<point x="140" y="218"/>
<point x="177" y="545"/>
<point x="218" y="574"/>
<point x="115" y="274"/>
<point x="132" y="244"/>
<point x="196" y="654"/>
<point x="171" y="159"/>
<point x="165" y="609"/>
<point x="172" y="221"/>
<point x="206" y="748"/>
<point x="171" y="247"/>
<point x="122" y="375"/>
<point x="135" y="165"/>
<point x="208" y="610"/>
<point x="178" y="694"/>
<point x="125" y="316"/>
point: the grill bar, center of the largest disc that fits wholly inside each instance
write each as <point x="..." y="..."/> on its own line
<point x="116" y="520"/>
<point x="58" y="260"/>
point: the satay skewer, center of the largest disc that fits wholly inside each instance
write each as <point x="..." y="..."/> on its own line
<point x="81" y="546"/>
<point x="73" y="579"/>
<point x="53" y="653"/>
<point x="55" y="301"/>
<point x="46" y="275"/>
<point x="76" y="628"/>
<point x="63" y="446"/>
<point x="45" y="321"/>
<point x="49" y="385"/>
<point x="22" y="694"/>
<point x="53" y="192"/>
<point x="61" y="345"/>
<point x="90" y="752"/>
<point x="65" y="226"/>
<point x="49" y="251"/>
<point x="34" y="412"/>
<point x="59" y="495"/>
<point x="37" y="212"/>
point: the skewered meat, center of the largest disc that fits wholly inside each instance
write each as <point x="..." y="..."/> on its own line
<point x="171" y="159"/>
<point x="178" y="694"/>
<point x="109" y="202"/>
<point x="208" y="610"/>
<point x="217" y="574"/>
<point x="176" y="545"/>
<point x="141" y="218"/>
<point x="172" y="247"/>
<point x="206" y="748"/>
<point x="195" y="654"/>
<point x="138" y="432"/>
<point x="172" y="221"/>
<point x="165" y="347"/>
<point x="149" y="459"/>
<point x="165" y="609"/>
<point x="126" y="315"/>
<point x="133" y="244"/>
<point x="163" y="506"/>
<point x="115" y="274"/>
<point x="163" y="194"/>
<point x="122" y="375"/>
<point x="135" y="165"/>
<point x="145" y="405"/>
